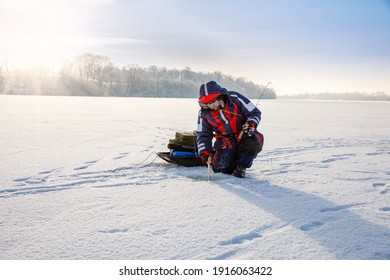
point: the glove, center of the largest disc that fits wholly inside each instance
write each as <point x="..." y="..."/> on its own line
<point x="205" y="157"/>
<point x="249" y="127"/>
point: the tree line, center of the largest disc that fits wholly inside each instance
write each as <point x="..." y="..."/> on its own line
<point x="376" y="96"/>
<point x="95" y="75"/>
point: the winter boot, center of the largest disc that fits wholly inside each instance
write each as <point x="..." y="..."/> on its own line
<point x="239" y="172"/>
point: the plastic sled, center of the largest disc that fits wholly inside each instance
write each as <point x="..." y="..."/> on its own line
<point x="186" y="159"/>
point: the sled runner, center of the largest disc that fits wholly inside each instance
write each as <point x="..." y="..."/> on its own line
<point x="183" y="150"/>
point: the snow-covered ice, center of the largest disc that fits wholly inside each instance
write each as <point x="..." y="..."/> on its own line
<point x="79" y="180"/>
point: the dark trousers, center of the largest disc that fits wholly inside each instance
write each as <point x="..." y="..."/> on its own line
<point x="229" y="153"/>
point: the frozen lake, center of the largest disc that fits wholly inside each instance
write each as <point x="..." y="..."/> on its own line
<point x="78" y="181"/>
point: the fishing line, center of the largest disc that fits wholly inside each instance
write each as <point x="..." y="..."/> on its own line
<point x="263" y="92"/>
<point x="138" y="165"/>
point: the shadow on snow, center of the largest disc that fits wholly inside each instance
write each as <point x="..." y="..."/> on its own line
<point x="347" y="236"/>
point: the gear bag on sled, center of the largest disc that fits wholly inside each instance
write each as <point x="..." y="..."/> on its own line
<point x="183" y="150"/>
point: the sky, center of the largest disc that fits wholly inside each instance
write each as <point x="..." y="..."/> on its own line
<point x="299" y="46"/>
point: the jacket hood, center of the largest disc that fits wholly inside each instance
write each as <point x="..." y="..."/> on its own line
<point x="210" y="91"/>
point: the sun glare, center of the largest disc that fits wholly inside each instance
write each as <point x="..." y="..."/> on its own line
<point x="38" y="50"/>
<point x="38" y="32"/>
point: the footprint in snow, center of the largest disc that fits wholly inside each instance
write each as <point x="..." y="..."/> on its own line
<point x="224" y="255"/>
<point x="338" y="208"/>
<point x="47" y="172"/>
<point x="24" y="179"/>
<point x="311" y="225"/>
<point x="373" y="154"/>
<point x="239" y="239"/>
<point x="121" y="155"/>
<point x="245" y="237"/>
<point x="86" y="165"/>
<point x="114" y="230"/>
<point x="30" y="180"/>
<point x="376" y="185"/>
<point x="338" y="157"/>
<point x="382" y="187"/>
<point x="81" y="167"/>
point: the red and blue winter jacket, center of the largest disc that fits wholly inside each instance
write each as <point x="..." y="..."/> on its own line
<point x="226" y="123"/>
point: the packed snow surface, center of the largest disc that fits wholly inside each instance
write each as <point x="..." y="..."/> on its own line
<point x="80" y="180"/>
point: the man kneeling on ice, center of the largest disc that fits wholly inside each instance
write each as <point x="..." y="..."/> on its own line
<point x="232" y="119"/>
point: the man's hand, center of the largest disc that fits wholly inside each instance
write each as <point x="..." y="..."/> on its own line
<point x="205" y="157"/>
<point x="249" y="127"/>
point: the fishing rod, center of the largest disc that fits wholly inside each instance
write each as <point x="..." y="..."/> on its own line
<point x="263" y="93"/>
<point x="246" y="128"/>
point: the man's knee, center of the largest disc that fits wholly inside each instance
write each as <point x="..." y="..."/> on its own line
<point x="250" y="146"/>
<point x="224" y="160"/>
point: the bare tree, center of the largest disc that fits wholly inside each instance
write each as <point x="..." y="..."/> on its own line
<point x="131" y="78"/>
<point x="93" y="67"/>
<point x="66" y="70"/>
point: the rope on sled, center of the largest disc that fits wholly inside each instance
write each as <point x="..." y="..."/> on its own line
<point x="139" y="165"/>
